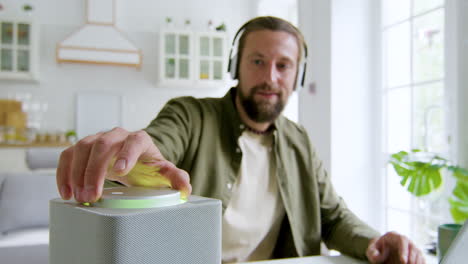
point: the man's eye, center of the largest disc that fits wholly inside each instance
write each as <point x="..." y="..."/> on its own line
<point x="257" y="62"/>
<point x="283" y="66"/>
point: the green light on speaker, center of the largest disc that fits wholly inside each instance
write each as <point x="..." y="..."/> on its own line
<point x="138" y="197"/>
<point x="135" y="204"/>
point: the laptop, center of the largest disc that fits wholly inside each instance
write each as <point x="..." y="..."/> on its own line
<point x="457" y="252"/>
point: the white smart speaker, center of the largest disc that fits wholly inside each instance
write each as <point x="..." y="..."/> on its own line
<point x="131" y="225"/>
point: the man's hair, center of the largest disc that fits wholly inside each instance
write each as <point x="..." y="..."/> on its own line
<point x="269" y="23"/>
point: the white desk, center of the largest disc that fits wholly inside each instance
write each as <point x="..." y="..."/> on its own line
<point x="324" y="260"/>
<point x="311" y="260"/>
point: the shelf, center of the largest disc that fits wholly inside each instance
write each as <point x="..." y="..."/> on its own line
<point x="36" y="145"/>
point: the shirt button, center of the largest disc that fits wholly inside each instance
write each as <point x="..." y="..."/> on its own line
<point x="238" y="150"/>
<point x="229" y="186"/>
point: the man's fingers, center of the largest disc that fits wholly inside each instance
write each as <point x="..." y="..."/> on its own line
<point x="415" y="255"/>
<point x="63" y="174"/>
<point x="81" y="154"/>
<point x="376" y="255"/>
<point x="412" y="254"/>
<point x="137" y="145"/>
<point x="102" y="152"/>
<point x="403" y="247"/>
<point x="160" y="173"/>
<point x="83" y="167"/>
<point x="420" y="258"/>
<point x="179" y="179"/>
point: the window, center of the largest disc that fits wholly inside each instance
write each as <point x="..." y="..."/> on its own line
<point x="415" y="114"/>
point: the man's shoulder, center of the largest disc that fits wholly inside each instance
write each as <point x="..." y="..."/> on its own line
<point x="291" y="129"/>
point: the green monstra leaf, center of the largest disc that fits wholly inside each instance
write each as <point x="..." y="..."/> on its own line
<point x="459" y="202"/>
<point x="419" y="178"/>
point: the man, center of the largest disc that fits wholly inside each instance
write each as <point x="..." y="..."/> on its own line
<point x="277" y="199"/>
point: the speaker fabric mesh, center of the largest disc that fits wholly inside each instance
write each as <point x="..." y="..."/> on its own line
<point x="185" y="233"/>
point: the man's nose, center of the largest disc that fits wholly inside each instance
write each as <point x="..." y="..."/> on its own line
<point x="271" y="74"/>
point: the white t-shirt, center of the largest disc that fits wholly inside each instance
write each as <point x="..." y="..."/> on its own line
<point x="253" y="217"/>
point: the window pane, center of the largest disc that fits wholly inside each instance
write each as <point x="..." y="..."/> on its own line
<point x="184" y="68"/>
<point x="23" y="34"/>
<point x="399" y="120"/>
<point x="399" y="221"/>
<point x="170" y="68"/>
<point x="204" y="69"/>
<point x="204" y="46"/>
<point x="398" y="197"/>
<point x="429" y="47"/>
<point x="7" y="33"/>
<point x="23" y="60"/>
<point x="425" y="5"/>
<point x="395" y="10"/>
<point x="184" y="44"/>
<point x="398" y="48"/>
<point x="218" y="47"/>
<point x="217" y="70"/>
<point x="429" y="120"/>
<point x="7" y="60"/>
<point x="170" y="43"/>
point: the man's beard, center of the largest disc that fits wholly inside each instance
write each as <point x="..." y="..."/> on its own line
<point x="263" y="111"/>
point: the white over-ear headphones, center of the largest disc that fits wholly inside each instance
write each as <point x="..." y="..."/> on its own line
<point x="234" y="60"/>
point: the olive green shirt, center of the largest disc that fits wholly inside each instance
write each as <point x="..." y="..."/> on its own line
<point x="201" y="136"/>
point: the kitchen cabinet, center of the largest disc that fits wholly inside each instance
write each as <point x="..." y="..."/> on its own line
<point x="188" y="57"/>
<point x="18" y="49"/>
<point x="211" y="56"/>
<point x="177" y="56"/>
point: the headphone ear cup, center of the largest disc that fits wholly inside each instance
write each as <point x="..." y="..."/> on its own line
<point x="300" y="77"/>
<point x="233" y="67"/>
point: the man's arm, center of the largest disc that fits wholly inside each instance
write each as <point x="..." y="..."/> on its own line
<point x="341" y="229"/>
<point x="344" y="231"/>
<point x="172" y="129"/>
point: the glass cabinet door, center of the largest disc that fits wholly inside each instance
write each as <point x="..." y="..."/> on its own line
<point x="211" y="55"/>
<point x="23" y="60"/>
<point x="176" y="55"/>
<point x="23" y="34"/>
<point x="16" y="47"/>
<point x="7" y="33"/>
<point x="7" y="59"/>
<point x="218" y="53"/>
<point x="184" y="59"/>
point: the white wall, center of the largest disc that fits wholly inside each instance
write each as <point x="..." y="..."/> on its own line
<point x="141" y="21"/>
<point x="315" y="107"/>
<point x="353" y="106"/>
<point x="462" y="84"/>
<point x="341" y="115"/>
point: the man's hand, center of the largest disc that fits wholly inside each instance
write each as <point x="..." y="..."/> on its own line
<point x="84" y="166"/>
<point x="394" y="248"/>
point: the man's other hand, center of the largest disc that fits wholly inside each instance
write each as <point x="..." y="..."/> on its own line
<point x="394" y="248"/>
<point x="128" y="157"/>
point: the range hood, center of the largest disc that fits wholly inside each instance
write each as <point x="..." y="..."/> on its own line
<point x="99" y="41"/>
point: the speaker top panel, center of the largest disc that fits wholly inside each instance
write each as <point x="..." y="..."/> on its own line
<point x="138" y="197"/>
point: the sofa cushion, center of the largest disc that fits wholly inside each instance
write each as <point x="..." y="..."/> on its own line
<point x="25" y="237"/>
<point x="24" y="200"/>
<point x="43" y="158"/>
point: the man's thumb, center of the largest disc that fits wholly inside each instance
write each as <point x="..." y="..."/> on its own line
<point x="377" y="256"/>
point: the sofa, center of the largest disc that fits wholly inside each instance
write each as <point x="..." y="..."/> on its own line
<point x="24" y="208"/>
<point x="24" y="216"/>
